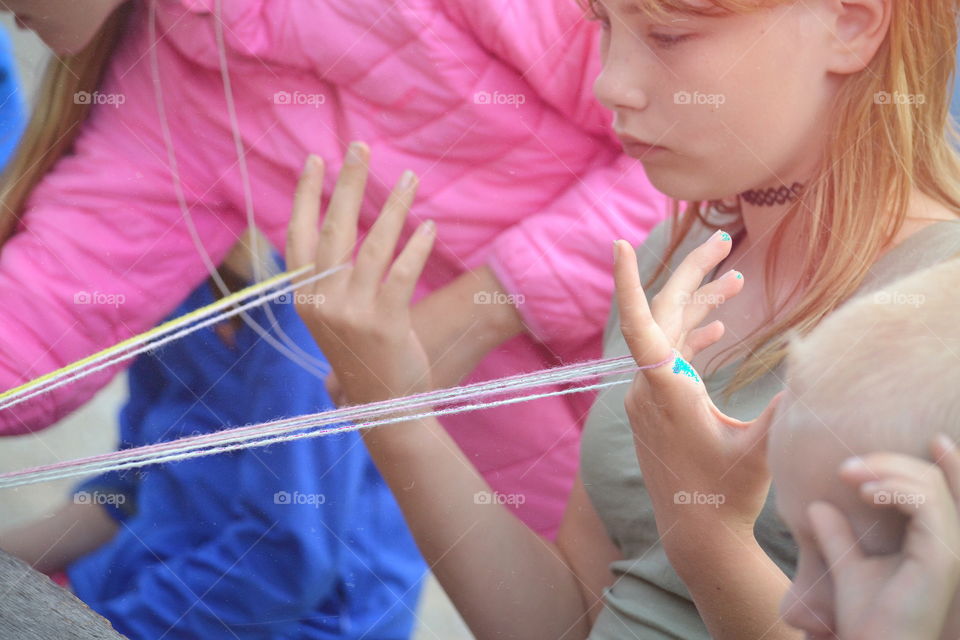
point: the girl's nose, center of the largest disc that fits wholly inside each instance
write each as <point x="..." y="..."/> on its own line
<point x="615" y="90"/>
<point x="617" y="97"/>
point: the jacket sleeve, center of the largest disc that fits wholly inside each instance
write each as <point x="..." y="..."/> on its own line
<point x="558" y="264"/>
<point x="101" y="253"/>
<point x="13" y="117"/>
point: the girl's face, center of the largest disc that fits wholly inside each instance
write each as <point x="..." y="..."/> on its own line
<point x="732" y="102"/>
<point x="66" y="26"/>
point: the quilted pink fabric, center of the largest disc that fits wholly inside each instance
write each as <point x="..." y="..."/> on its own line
<point x="489" y="102"/>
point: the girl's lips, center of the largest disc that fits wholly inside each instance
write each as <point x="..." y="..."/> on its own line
<point x="640" y="150"/>
<point x="635" y="147"/>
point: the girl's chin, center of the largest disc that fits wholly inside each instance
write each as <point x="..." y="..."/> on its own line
<point x="682" y="186"/>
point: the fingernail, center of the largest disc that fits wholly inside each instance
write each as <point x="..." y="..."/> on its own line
<point x="615" y="252"/>
<point x="870" y="487"/>
<point x="311" y="163"/>
<point x="853" y="464"/>
<point x="946" y="442"/>
<point x="428" y="227"/>
<point x="732" y="273"/>
<point x="354" y="157"/>
<point x="722" y="235"/>
<point x="406" y="180"/>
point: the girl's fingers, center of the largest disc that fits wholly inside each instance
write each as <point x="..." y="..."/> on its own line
<point x="339" y="230"/>
<point x="379" y="246"/>
<point x="927" y="503"/>
<point x="303" y="230"/>
<point x="903" y="482"/>
<point x="701" y="338"/>
<point x="687" y="277"/>
<point x="834" y="536"/>
<point x="643" y="335"/>
<point x="698" y="305"/>
<point x="883" y="465"/>
<point x="402" y="280"/>
<point x="947" y="457"/>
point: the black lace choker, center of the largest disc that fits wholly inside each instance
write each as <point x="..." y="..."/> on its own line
<point x="773" y="195"/>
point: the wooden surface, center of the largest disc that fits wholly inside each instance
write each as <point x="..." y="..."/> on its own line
<point x="32" y="607"/>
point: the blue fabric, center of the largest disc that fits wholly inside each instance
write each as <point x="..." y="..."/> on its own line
<point x="295" y="540"/>
<point x="13" y="112"/>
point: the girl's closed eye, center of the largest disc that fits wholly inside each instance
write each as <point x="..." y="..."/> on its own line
<point x="660" y="39"/>
<point x="668" y="40"/>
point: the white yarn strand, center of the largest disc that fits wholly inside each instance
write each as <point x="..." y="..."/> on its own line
<point x="312" y="425"/>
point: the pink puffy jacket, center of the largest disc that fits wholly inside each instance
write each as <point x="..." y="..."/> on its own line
<point x="489" y="102"/>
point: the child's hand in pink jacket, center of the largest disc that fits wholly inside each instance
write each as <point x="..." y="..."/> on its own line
<point x="360" y="316"/>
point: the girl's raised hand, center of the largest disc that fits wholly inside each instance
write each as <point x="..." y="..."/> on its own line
<point x="701" y="468"/>
<point x="360" y="315"/>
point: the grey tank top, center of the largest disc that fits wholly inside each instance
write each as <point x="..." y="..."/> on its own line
<point x="648" y="599"/>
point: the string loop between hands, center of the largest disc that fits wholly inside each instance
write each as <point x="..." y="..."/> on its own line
<point x="480" y="395"/>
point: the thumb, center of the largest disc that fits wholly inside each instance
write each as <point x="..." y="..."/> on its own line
<point x="760" y="427"/>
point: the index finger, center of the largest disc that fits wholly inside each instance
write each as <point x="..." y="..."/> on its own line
<point x="947" y="457"/>
<point x="302" y="232"/>
<point x="646" y="341"/>
<point x="688" y="275"/>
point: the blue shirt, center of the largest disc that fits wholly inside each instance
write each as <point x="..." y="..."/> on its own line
<point x="295" y="540"/>
<point x="13" y="112"/>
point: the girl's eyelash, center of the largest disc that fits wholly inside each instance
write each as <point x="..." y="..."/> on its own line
<point x="664" y="40"/>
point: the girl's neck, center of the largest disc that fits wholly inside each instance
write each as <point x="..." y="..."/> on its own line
<point x="760" y="221"/>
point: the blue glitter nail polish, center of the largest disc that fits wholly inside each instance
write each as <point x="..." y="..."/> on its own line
<point x="725" y="236"/>
<point x="682" y="367"/>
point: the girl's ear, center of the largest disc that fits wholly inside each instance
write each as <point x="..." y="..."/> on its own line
<point x="857" y="30"/>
